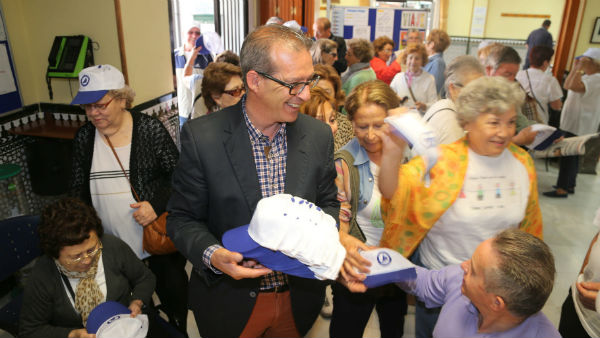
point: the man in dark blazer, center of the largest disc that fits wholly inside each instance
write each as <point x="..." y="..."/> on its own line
<point x="322" y="30"/>
<point x="229" y="161"/>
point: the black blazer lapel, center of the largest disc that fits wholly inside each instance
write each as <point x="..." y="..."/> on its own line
<point x="297" y="159"/>
<point x="239" y="151"/>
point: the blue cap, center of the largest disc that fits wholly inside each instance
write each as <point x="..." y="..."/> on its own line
<point x="200" y="42"/>
<point x="238" y="240"/>
<point x="387" y="266"/>
<point x="102" y="313"/>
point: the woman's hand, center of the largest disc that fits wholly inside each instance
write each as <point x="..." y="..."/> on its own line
<point x="136" y="307"/>
<point x="353" y="260"/>
<point x="81" y="333"/>
<point x="525" y="137"/>
<point x="588" y="291"/>
<point x="391" y="159"/>
<point x="144" y="214"/>
<point x="422" y="107"/>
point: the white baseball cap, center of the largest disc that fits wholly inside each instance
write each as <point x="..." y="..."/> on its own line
<point x="593" y="53"/>
<point x="387" y="266"/>
<point x="420" y="136"/>
<point x="112" y="319"/>
<point x="291" y="235"/>
<point x="96" y="81"/>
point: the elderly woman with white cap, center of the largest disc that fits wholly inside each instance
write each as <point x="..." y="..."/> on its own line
<point x="580" y="114"/>
<point x="148" y="156"/>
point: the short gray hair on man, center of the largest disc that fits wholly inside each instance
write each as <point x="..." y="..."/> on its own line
<point x="362" y="49"/>
<point x="524" y="275"/>
<point x="502" y="54"/>
<point x="322" y="46"/>
<point x="488" y="94"/>
<point x="256" y="49"/>
<point x="460" y="68"/>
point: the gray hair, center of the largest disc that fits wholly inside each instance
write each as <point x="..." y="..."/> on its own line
<point x="502" y="54"/>
<point x="460" y="68"/>
<point x="488" y="94"/>
<point x="322" y="46"/>
<point x="524" y="275"/>
<point x="414" y="30"/>
<point x="256" y="49"/>
<point x="362" y="49"/>
<point x="126" y="93"/>
<point x="274" y="20"/>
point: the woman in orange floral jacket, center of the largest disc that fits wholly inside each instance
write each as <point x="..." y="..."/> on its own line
<point x="480" y="185"/>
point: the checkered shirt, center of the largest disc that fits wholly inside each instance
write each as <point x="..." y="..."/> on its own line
<point x="270" y="157"/>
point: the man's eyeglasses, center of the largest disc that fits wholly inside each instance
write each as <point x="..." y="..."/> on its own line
<point x="236" y="92"/>
<point x="295" y="87"/>
<point x="98" y="106"/>
<point x="194" y="32"/>
<point x="91" y="253"/>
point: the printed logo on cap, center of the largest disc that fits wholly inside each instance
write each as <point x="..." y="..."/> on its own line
<point x="85" y="80"/>
<point x="112" y="319"/>
<point x="384" y="258"/>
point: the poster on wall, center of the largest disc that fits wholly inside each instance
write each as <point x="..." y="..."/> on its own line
<point x="7" y="83"/>
<point x="416" y="20"/>
<point x="2" y="31"/>
<point x="337" y="21"/>
<point x="385" y="22"/>
<point x="596" y="32"/>
<point x="361" y="32"/>
<point x="478" y="22"/>
<point x="356" y="17"/>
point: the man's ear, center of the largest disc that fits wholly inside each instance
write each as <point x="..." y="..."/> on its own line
<point x="252" y="79"/>
<point x="498" y="304"/>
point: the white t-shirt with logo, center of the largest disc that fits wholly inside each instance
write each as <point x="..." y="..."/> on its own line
<point x="494" y="197"/>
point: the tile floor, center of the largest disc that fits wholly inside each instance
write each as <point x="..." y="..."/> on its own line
<point x="568" y="230"/>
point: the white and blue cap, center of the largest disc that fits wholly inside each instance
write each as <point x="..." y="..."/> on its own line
<point x="96" y="81"/>
<point x="387" y="266"/>
<point x="112" y="319"/>
<point x="291" y="235"/>
<point x="592" y="53"/>
<point x="420" y="137"/>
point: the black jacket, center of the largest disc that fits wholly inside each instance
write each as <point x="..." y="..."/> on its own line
<point x="151" y="163"/>
<point x="216" y="188"/>
<point x="341" y="64"/>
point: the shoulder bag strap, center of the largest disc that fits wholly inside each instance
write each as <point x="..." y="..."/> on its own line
<point x="532" y="93"/>
<point x="437" y="111"/>
<point x="137" y="198"/>
<point x="345" y="156"/>
<point x="410" y="89"/>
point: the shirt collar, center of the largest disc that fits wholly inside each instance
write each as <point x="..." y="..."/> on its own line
<point x="255" y="133"/>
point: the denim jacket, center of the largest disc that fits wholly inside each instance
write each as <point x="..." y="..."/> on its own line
<point x="361" y="162"/>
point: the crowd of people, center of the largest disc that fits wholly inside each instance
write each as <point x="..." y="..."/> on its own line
<point x="307" y="117"/>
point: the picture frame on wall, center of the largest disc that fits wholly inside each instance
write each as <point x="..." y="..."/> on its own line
<point x="596" y="32"/>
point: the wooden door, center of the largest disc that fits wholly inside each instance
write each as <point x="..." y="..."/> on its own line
<point x="285" y="9"/>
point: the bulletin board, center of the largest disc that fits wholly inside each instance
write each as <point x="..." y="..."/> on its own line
<point x="370" y="23"/>
<point x="10" y="98"/>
